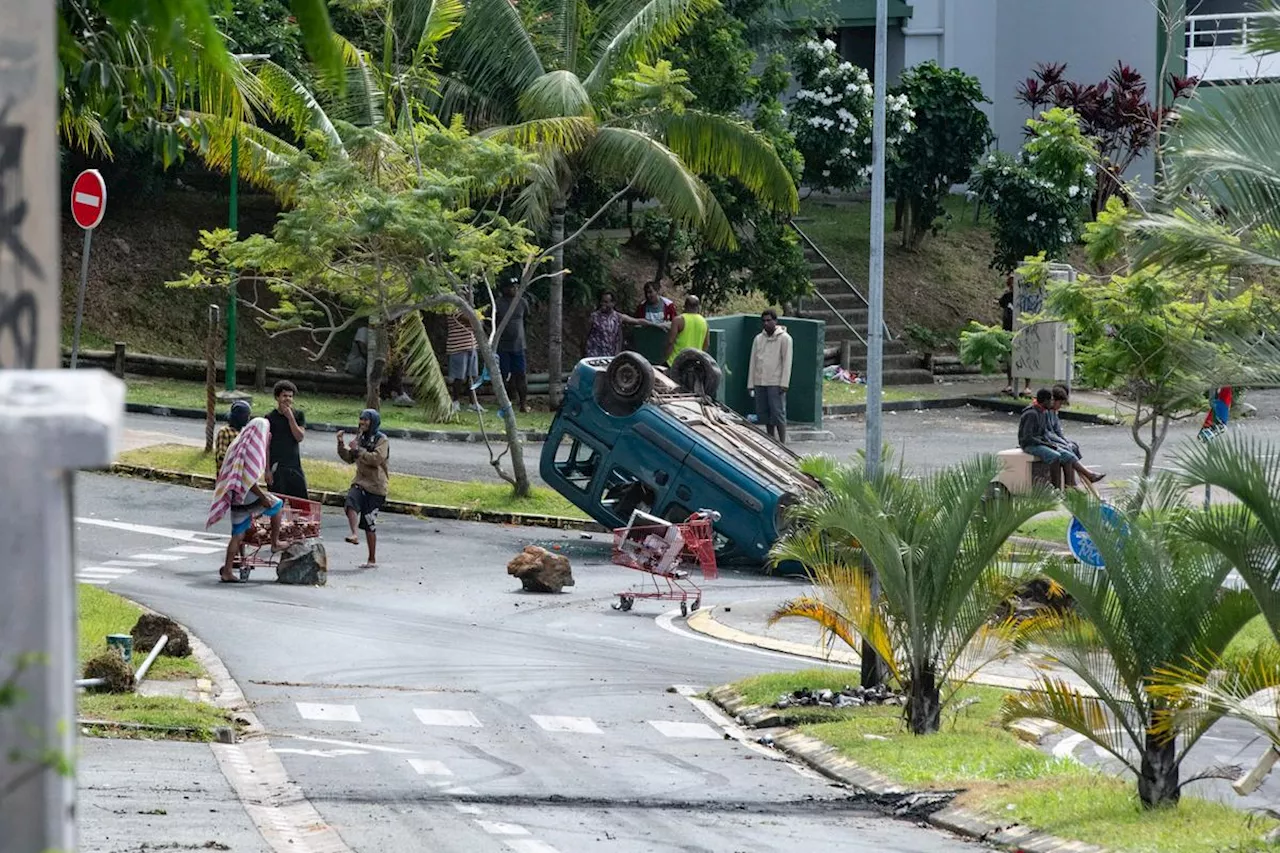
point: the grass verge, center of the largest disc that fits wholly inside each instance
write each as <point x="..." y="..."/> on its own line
<point x="102" y="613"/>
<point x="1011" y="780"/>
<point x="841" y="394"/>
<point x="1050" y="527"/>
<point x="324" y="408"/>
<point x="335" y="477"/>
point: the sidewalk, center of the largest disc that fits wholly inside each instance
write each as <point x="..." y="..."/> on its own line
<point x="161" y="795"/>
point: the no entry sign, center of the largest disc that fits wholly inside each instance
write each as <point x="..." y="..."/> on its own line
<point x="88" y="199"/>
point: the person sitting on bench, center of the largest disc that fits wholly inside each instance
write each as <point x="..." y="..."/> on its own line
<point x="1036" y="438"/>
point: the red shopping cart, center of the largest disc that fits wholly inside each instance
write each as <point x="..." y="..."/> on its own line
<point x="666" y="551"/>
<point x="300" y="520"/>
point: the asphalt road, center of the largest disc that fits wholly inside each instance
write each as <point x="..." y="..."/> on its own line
<point x="430" y="705"/>
<point x="924" y="440"/>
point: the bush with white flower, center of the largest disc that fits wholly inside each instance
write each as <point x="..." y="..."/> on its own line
<point x="1039" y="199"/>
<point x="831" y="118"/>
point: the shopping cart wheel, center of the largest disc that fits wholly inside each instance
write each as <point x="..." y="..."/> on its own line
<point x="684" y="608"/>
<point x="697" y="602"/>
<point x="244" y="573"/>
<point x="624" y="603"/>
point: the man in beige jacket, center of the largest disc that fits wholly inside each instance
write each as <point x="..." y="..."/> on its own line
<point x="769" y="375"/>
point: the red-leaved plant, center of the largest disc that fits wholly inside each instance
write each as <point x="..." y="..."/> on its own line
<point x="1116" y="112"/>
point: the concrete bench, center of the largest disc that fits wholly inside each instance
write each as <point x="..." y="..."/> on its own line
<point x="1018" y="470"/>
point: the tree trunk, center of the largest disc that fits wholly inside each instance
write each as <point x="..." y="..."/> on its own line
<point x="514" y="444"/>
<point x="664" y="257"/>
<point x="555" y="310"/>
<point x="924" y="703"/>
<point x="1158" y="781"/>
<point x="375" y="363"/>
<point x="899" y="211"/>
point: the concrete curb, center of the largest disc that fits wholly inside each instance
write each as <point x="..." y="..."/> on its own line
<point x="997" y="405"/>
<point x="452" y="513"/>
<point x="829" y="762"/>
<point x="991" y="403"/>
<point x="461" y="436"/>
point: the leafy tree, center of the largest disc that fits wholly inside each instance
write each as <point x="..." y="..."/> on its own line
<point x="1037" y="198"/>
<point x="988" y="347"/>
<point x="1149" y="333"/>
<point x="938" y="547"/>
<point x="1115" y="113"/>
<point x="546" y="83"/>
<point x="950" y="133"/>
<point x="831" y="117"/>
<point x="1158" y="603"/>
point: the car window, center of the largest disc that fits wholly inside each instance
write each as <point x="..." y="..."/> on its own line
<point x="576" y="461"/>
<point x="625" y="493"/>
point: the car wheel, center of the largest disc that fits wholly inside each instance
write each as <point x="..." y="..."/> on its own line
<point x="628" y="381"/>
<point x="696" y="372"/>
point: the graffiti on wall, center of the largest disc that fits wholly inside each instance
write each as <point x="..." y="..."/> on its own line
<point x="20" y="270"/>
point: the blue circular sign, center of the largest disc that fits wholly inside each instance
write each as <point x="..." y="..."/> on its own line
<point x="1081" y="543"/>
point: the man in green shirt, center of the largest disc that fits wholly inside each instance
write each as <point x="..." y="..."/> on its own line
<point x="688" y="331"/>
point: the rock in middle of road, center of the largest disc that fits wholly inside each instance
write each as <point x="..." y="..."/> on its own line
<point x="541" y="571"/>
<point x="303" y="563"/>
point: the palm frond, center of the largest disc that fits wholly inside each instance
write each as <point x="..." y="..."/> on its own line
<point x="1057" y="701"/>
<point x="492" y="53"/>
<point x="262" y="158"/>
<point x="632" y="32"/>
<point x="364" y="100"/>
<point x="566" y="135"/>
<point x="421" y="367"/>
<point x="292" y="103"/>
<point x="1203" y="690"/>
<point x="712" y="144"/>
<point x="555" y="94"/>
<point x="440" y="18"/>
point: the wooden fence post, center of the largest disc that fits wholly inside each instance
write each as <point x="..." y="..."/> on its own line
<point x="118" y="366"/>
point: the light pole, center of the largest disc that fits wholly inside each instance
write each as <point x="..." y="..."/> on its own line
<point x="872" y="666"/>
<point x="233" y="222"/>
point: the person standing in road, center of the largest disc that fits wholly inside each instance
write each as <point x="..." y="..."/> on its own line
<point x="688" y="331"/>
<point x="511" y="342"/>
<point x="288" y="429"/>
<point x="239" y="494"/>
<point x="370" y="451"/>
<point x="769" y="374"/>
<point x="237" y="419"/>
<point x="464" y="360"/>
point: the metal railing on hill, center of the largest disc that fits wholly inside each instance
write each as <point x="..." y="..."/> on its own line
<point x="858" y="293"/>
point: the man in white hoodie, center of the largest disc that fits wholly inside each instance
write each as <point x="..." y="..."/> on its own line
<point x="769" y="375"/>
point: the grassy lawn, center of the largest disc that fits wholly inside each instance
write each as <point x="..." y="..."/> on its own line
<point x="101" y="613"/>
<point x="840" y="393"/>
<point x="336" y="477"/>
<point x="323" y="408"/>
<point x="1253" y="638"/>
<point x="1051" y="527"/>
<point x="1009" y="779"/>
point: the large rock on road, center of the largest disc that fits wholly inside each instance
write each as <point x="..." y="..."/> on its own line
<point x="539" y="570"/>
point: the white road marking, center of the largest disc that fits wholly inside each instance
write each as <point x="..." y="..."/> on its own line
<point x="319" y="753"/>
<point x="328" y="713"/>
<point x="700" y="731"/>
<point x="666" y="623"/>
<point x="149" y="530"/>
<point x="1066" y="747"/>
<point x="462" y="791"/>
<point x="194" y="549"/>
<point x="530" y="845"/>
<point x="437" y="717"/>
<point x="95" y="581"/>
<point x="102" y="572"/>
<point x="427" y="767"/>
<point x="579" y="725"/>
<point x="467" y="808"/>
<point x="128" y="564"/>
<point x="494" y="827"/>
<point x="159" y="558"/>
<point x="709" y="710"/>
<point x="388" y="749"/>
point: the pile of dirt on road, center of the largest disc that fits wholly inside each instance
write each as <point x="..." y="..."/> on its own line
<point x="110" y="667"/>
<point x="151" y="626"/>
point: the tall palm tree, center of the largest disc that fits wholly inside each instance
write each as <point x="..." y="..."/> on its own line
<point x="541" y="75"/>
<point x="938" y="547"/>
<point x="1158" y="603"/>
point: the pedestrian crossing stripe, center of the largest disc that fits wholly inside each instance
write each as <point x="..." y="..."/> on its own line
<point x="198" y="550"/>
<point x="328" y="713"/>
<point x="578" y="725"/>
<point x="685" y="730"/>
<point x="442" y="717"/>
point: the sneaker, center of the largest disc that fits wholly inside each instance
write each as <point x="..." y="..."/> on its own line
<point x="402" y="399"/>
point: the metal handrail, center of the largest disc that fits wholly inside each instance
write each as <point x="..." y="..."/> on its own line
<point x="841" y="276"/>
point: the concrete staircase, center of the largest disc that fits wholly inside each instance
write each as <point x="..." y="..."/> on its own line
<point x="840" y="301"/>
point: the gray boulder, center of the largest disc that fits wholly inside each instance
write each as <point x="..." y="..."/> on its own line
<point x="539" y="570"/>
<point x="303" y="564"/>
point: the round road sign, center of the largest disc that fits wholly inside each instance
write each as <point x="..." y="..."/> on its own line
<point x="88" y="199"/>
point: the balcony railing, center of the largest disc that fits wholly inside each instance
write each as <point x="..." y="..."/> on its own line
<point x="1218" y="48"/>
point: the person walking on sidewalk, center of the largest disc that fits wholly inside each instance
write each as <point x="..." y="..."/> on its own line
<point x="688" y="331"/>
<point x="237" y="419"/>
<point x="511" y="343"/>
<point x="288" y="429"/>
<point x="370" y="451"/>
<point x="769" y="374"/>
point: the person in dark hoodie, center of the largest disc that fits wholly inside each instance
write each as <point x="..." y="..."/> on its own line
<point x="369" y="450"/>
<point x="769" y="374"/>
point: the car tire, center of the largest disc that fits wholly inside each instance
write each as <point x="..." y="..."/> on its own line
<point x="696" y="372"/>
<point x="628" y="381"/>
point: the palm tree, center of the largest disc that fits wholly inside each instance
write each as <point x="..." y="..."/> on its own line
<point x="1158" y="603"/>
<point x="542" y="76"/>
<point x="938" y="548"/>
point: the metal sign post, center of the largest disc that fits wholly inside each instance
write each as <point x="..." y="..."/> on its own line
<point x="88" y="206"/>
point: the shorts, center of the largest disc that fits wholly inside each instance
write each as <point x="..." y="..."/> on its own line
<point x="1050" y="455"/>
<point x="771" y="405"/>
<point x="243" y="516"/>
<point x="512" y="362"/>
<point x="366" y="504"/>
<point x="289" y="481"/>
<point x="464" y="365"/>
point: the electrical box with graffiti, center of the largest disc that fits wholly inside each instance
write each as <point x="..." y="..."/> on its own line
<point x="1044" y="349"/>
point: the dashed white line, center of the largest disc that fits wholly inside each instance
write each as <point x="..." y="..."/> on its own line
<point x="439" y="717"/>
<point x="467" y="808"/>
<point x="578" y="725"/>
<point x="159" y="558"/>
<point x="128" y="564"/>
<point x="194" y="549"/>
<point x="328" y="713"/>
<point x="494" y="827"/>
<point x="672" y="729"/>
<point x="427" y="767"/>
<point x="461" y="791"/>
